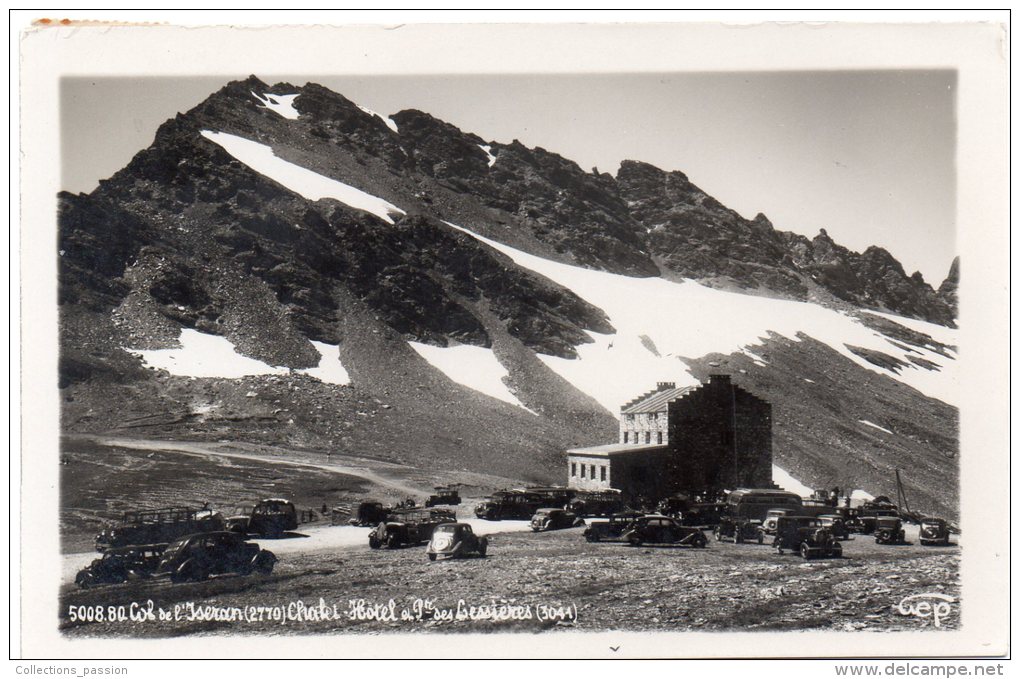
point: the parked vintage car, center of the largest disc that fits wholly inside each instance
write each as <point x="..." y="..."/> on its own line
<point x="121" y="564"/>
<point x="768" y="525"/>
<point x="933" y="531"/>
<point x="806" y="536"/>
<point x="237" y="520"/>
<point x="739" y="530"/>
<point x="444" y="495"/>
<point x="405" y="527"/>
<point x="597" y="503"/>
<point x="889" y="531"/>
<point x="658" y="529"/>
<point x="157" y="526"/>
<point x="674" y="506"/>
<point x="870" y="512"/>
<point x="611" y="529"/>
<point x="836" y="524"/>
<point x="704" y="514"/>
<point x="453" y="540"/>
<point x="510" y="504"/>
<point x="196" y="557"/>
<point x="551" y="518"/>
<point x="269" y="518"/>
<point x="370" y="514"/>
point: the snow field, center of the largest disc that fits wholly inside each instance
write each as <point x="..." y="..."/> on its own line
<point x="306" y="183"/>
<point x="473" y="367"/>
<point x="204" y="355"/>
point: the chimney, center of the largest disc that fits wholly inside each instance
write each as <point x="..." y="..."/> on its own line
<point x="663" y="386"/>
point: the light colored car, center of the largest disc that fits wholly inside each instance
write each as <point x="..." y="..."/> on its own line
<point x="453" y="540"/>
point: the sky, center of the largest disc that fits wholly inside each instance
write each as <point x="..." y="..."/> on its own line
<point x="867" y="155"/>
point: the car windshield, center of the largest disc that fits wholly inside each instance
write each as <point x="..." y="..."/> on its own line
<point x="174" y="548"/>
<point x="448" y="528"/>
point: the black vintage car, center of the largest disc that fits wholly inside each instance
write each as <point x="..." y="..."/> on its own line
<point x="612" y="529"/>
<point x="657" y="529"/>
<point x="444" y="495"/>
<point x="121" y="564"/>
<point x="196" y="557"/>
<point x="405" y="527"/>
<point x="455" y="540"/>
<point x="836" y="524"/>
<point x="870" y="512"/>
<point x="933" y="531"/>
<point x="806" y="536"/>
<point x="740" y="530"/>
<point x="889" y="531"/>
<point x="155" y="526"/>
<point x="370" y="514"/>
<point x="704" y="514"/>
<point x="552" y="518"/>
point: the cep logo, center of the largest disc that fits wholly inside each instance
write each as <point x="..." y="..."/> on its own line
<point x="928" y="605"/>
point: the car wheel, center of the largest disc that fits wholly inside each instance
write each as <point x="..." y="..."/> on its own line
<point x="483" y="546"/>
<point x="373" y="542"/>
<point x="837" y="552"/>
<point x="635" y="540"/>
<point x="264" y="562"/>
<point x="700" y="542"/>
<point x="392" y="541"/>
<point x="84" y="580"/>
<point x="805" y="551"/>
<point x="432" y="556"/>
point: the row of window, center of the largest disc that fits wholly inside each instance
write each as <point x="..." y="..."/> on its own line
<point x="651" y="416"/>
<point x="590" y="469"/>
<point x="636" y="438"/>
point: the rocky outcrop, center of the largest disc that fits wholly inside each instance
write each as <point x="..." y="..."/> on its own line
<point x="947" y="291"/>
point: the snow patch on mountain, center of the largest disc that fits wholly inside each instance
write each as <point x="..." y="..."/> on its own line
<point x="389" y="123"/>
<point x="202" y="355"/>
<point x="473" y="367"/>
<point x="488" y="153"/>
<point x="783" y="479"/>
<point x="330" y="369"/>
<point x="686" y="319"/>
<point x="872" y="424"/>
<point x="308" y="184"/>
<point x="282" y="104"/>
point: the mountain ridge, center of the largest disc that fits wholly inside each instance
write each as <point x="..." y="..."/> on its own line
<point x="187" y="236"/>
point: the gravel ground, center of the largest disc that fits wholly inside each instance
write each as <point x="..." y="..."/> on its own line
<point x="531" y="582"/>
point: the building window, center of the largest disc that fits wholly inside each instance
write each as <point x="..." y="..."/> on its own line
<point x="582" y="471"/>
<point x="648" y="437"/>
<point x="593" y="472"/>
<point x="660" y="437"/>
<point x="626" y="436"/>
<point x="573" y="469"/>
<point x="603" y="472"/>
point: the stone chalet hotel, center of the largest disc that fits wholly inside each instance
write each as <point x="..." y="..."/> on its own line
<point x="694" y="439"/>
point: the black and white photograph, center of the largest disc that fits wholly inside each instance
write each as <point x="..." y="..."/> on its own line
<point x="532" y="356"/>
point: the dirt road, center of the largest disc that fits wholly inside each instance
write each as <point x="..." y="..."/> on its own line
<point x="280" y="456"/>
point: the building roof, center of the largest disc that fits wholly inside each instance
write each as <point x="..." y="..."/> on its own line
<point x="655" y="402"/>
<point x="617" y="449"/>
